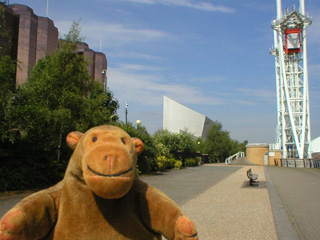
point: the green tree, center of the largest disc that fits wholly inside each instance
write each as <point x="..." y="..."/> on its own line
<point x="57" y="98"/>
<point x="100" y="108"/>
<point x="239" y="146"/>
<point x="217" y="143"/>
<point x="7" y="85"/>
<point x="186" y="143"/>
<point x="242" y="146"/>
<point x="181" y="145"/>
<point x="5" y="40"/>
<point x="167" y="139"/>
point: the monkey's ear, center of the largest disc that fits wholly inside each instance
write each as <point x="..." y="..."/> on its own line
<point x="139" y="145"/>
<point x="73" y="138"/>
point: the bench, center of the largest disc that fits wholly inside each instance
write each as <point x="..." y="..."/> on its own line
<point x="253" y="177"/>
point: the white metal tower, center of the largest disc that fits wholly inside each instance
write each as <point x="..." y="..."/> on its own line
<point x="290" y="51"/>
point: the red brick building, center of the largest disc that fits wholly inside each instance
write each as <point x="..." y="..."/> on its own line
<point x="34" y="36"/>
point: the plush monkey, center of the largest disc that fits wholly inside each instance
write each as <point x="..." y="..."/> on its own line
<point x="100" y="197"/>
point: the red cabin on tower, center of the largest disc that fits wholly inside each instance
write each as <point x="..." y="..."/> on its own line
<point x="293" y="40"/>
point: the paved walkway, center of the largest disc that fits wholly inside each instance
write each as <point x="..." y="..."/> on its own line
<point x="234" y="210"/>
<point x="185" y="184"/>
<point x="220" y="201"/>
<point x="299" y="191"/>
<point x="227" y="207"/>
<point x="284" y="206"/>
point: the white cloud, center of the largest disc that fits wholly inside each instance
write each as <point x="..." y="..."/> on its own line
<point x="199" y="5"/>
<point x="216" y="79"/>
<point x="147" y="84"/>
<point x="257" y="93"/>
<point x="115" y="34"/>
<point x="139" y="67"/>
<point x="134" y="55"/>
<point x="243" y="102"/>
<point x="149" y="89"/>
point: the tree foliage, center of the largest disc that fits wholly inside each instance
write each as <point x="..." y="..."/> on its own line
<point x="219" y="145"/>
<point x="7" y="73"/>
<point x="7" y="86"/>
<point x="4" y="34"/>
<point x="57" y="98"/>
<point x="180" y="145"/>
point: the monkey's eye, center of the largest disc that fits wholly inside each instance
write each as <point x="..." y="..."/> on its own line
<point x="122" y="139"/>
<point x="94" y="139"/>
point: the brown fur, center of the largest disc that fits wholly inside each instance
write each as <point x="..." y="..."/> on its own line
<point x="100" y="197"/>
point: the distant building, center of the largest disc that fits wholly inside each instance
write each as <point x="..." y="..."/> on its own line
<point x="178" y="118"/>
<point x="32" y="37"/>
<point x="37" y="36"/>
<point x="315" y="148"/>
<point x="97" y="61"/>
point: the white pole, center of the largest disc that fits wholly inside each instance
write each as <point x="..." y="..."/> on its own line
<point x="302" y="7"/>
<point x="279" y="9"/>
<point x="306" y="103"/>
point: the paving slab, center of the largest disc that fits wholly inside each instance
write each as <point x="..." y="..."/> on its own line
<point x="232" y="209"/>
<point x="184" y="184"/>
<point x="284" y="227"/>
<point x="218" y="198"/>
<point x="299" y="191"/>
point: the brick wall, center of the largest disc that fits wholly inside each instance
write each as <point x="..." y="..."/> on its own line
<point x="34" y="36"/>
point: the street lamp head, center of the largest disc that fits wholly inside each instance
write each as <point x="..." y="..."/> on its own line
<point x="138" y="122"/>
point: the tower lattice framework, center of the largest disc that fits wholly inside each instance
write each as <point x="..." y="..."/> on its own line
<point x="293" y="112"/>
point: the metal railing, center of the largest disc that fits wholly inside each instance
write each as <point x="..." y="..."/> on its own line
<point x="298" y="163"/>
<point x="234" y="157"/>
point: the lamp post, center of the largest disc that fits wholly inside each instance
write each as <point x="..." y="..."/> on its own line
<point x="105" y="78"/>
<point x="127" y="112"/>
<point x="138" y="122"/>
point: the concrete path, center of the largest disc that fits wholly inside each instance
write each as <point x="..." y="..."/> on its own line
<point x="185" y="184"/>
<point x="299" y="191"/>
<point x="234" y="210"/>
<point x="284" y="227"/>
<point x="220" y="201"/>
<point x="6" y="203"/>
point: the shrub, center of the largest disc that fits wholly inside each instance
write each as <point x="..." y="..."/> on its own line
<point x="174" y="143"/>
<point x="191" y="162"/>
<point x="198" y="159"/>
<point x="162" y="150"/>
<point x="144" y="165"/>
<point x="171" y="163"/>
<point x="161" y="163"/>
<point x="178" y="165"/>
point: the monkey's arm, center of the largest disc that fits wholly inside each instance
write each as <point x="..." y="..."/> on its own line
<point x="163" y="216"/>
<point x="32" y="218"/>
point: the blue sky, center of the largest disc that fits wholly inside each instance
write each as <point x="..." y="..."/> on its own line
<point x="209" y="55"/>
